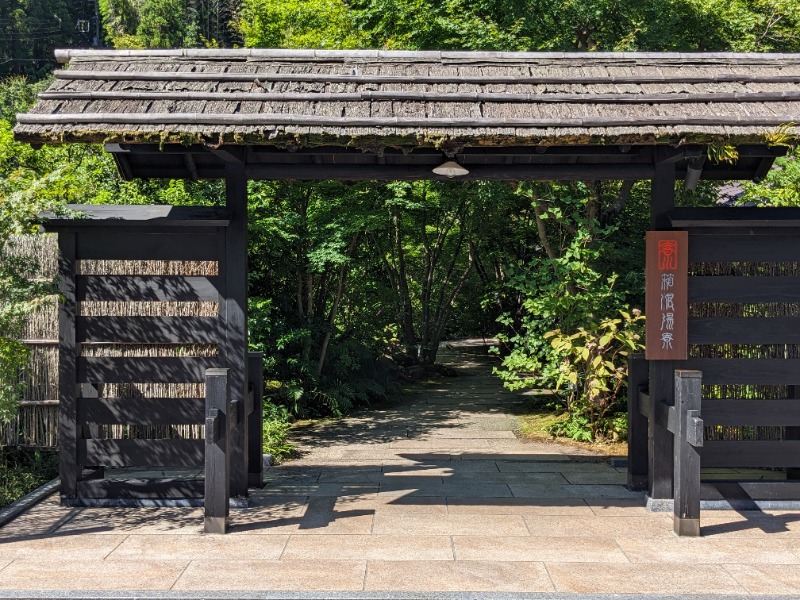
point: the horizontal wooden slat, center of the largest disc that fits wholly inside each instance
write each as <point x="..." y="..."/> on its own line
<point x="744" y="371"/>
<point x="257" y="119"/>
<point x="111" y="245"/>
<point x="142" y="411"/>
<point x="750" y="454"/>
<point x="744" y="218"/>
<point x="750" y="412"/>
<point x="744" y="289"/>
<point x="149" y="330"/>
<point x="140" y="489"/>
<point x="126" y="218"/>
<point x="122" y="288"/>
<point x="144" y="370"/>
<point x="771" y="490"/>
<point x="741" y="248"/>
<point x="142" y="453"/>
<point x="726" y="330"/>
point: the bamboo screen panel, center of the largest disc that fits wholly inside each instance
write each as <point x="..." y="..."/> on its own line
<point x="744" y="335"/>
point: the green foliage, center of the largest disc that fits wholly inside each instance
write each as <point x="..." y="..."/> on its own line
<point x="20" y="294"/>
<point x="31" y="29"/>
<point x="21" y="472"/>
<point x="781" y="186"/>
<point x="593" y="371"/>
<point x="299" y="24"/>
<point x="723" y="153"/>
<point x="169" y="23"/>
<point x="567" y="291"/>
<point x="276" y="427"/>
<point x="163" y="24"/>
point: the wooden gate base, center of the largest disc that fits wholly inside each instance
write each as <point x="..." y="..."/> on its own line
<point x="687" y="527"/>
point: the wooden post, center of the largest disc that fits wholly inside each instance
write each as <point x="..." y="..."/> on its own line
<point x="660" y="446"/>
<point x="217" y="467"/>
<point x="662" y="190"/>
<point x="69" y="469"/>
<point x="792" y="433"/>
<point x="688" y="440"/>
<point x="255" y="420"/>
<point x="659" y="438"/>
<point x="236" y="312"/>
<point x="637" y="424"/>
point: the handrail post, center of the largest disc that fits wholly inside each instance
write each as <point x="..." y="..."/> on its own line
<point x="688" y="441"/>
<point x="217" y="467"/>
<point x="255" y="420"/>
<point x="637" y="424"/>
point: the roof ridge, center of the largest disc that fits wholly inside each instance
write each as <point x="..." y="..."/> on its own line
<point x="66" y="55"/>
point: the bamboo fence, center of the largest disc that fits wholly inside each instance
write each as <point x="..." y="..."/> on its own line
<point x="36" y="424"/>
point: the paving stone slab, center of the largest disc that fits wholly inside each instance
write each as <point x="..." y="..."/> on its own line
<point x="707" y="551"/>
<point x="272" y="575"/>
<point x="537" y="548"/>
<point x="372" y="547"/>
<point x="449" y="524"/>
<point x="460" y="575"/>
<point x="657" y="578"/>
<point x="43" y="574"/>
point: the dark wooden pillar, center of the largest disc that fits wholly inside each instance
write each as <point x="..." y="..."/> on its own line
<point x="660" y="442"/>
<point x="69" y="469"/>
<point x="217" y="454"/>
<point x="637" y="424"/>
<point x="236" y="309"/>
<point x="662" y="191"/>
<point x="688" y="440"/>
<point x="792" y="433"/>
<point x="255" y="420"/>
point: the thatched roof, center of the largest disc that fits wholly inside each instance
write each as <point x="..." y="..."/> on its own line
<point x="302" y="98"/>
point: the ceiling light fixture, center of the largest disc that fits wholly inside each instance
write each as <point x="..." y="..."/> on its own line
<point x="451" y="169"/>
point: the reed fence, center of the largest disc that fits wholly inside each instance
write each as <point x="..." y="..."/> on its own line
<point x="36" y="423"/>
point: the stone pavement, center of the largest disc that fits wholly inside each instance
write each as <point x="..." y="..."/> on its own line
<point x="432" y="494"/>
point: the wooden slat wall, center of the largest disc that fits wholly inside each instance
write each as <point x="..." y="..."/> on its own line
<point x="149" y="354"/>
<point x="751" y="454"/>
<point x="149" y="330"/>
<point x="151" y="289"/>
<point x="111" y="245"/>
<point x="137" y="370"/>
<point x="745" y="260"/>
<point x="142" y="453"/>
<point x="142" y="411"/>
<point x="166" y="489"/>
<point x="711" y="248"/>
<point x="744" y="330"/>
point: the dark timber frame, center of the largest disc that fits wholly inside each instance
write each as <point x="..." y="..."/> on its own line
<point x="123" y="233"/>
<point x="669" y="410"/>
<point x="313" y="115"/>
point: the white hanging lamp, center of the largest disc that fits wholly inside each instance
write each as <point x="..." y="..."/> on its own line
<point x="451" y="169"/>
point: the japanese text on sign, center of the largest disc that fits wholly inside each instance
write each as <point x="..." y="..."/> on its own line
<point x="666" y="299"/>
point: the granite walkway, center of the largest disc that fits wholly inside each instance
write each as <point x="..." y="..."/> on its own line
<point x="434" y="494"/>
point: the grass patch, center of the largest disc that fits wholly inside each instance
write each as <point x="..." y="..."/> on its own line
<point x="536" y="420"/>
<point x="22" y="471"/>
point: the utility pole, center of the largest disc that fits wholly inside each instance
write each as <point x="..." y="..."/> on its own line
<point x="97" y="41"/>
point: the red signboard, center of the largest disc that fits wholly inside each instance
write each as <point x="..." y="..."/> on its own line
<point x="666" y="303"/>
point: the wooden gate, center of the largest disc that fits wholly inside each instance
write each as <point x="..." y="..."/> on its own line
<point x="744" y="338"/>
<point x="142" y="318"/>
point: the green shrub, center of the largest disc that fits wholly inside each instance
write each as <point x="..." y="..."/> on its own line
<point x="593" y="375"/>
<point x="22" y="471"/>
<point x="276" y="429"/>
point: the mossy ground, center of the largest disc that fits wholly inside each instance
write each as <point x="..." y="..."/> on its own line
<point x="536" y="419"/>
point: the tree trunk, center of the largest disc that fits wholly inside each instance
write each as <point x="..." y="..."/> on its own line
<point x="407" y="316"/>
<point x="335" y="307"/>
